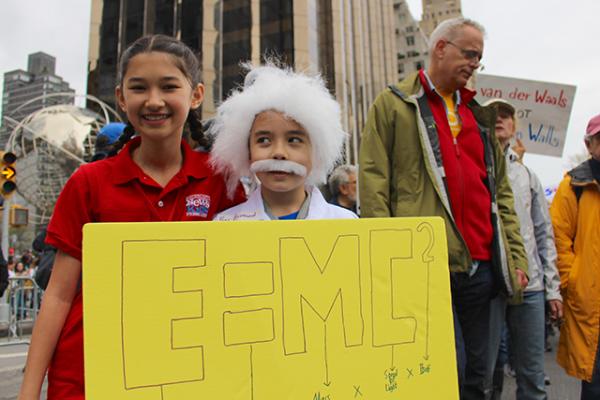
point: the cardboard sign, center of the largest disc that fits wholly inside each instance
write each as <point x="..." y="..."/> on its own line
<point x="344" y="309"/>
<point x="543" y="110"/>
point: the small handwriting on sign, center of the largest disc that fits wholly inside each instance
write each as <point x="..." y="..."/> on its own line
<point x="539" y="96"/>
<point x="391" y="376"/>
<point x="319" y="396"/>
<point x="543" y="134"/>
<point x="424" y="369"/>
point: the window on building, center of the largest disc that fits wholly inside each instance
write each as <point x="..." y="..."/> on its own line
<point x="237" y="23"/>
<point x="191" y="25"/>
<point x="325" y="42"/>
<point x="277" y="29"/>
<point x="401" y="68"/>
<point x="134" y="25"/>
<point x="410" y="40"/>
<point x="164" y="15"/>
<point x="101" y="82"/>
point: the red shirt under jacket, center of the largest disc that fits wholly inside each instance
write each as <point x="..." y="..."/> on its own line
<point x="117" y="190"/>
<point x="464" y="164"/>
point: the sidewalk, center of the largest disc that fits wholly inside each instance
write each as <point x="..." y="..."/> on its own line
<point x="562" y="386"/>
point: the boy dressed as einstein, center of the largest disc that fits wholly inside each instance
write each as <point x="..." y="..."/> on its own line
<point x="285" y="129"/>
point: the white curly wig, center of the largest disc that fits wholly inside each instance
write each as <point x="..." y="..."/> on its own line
<point x="303" y="98"/>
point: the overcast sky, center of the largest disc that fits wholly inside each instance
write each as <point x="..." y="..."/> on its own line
<point x="547" y="40"/>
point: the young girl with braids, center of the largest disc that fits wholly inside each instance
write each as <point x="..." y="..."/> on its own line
<point x="154" y="176"/>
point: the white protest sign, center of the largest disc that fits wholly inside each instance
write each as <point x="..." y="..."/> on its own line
<point x="543" y="110"/>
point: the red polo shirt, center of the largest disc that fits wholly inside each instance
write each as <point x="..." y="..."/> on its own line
<point x="465" y="168"/>
<point x="117" y="190"/>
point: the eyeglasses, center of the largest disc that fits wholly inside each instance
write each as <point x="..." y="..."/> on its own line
<point x="471" y="55"/>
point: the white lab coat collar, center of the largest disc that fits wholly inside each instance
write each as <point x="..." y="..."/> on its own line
<point x="254" y="209"/>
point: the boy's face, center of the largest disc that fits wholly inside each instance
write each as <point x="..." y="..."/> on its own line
<point x="273" y="136"/>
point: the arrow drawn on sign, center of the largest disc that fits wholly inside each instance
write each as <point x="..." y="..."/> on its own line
<point x="427" y="259"/>
<point x="327" y="381"/>
<point x="251" y="372"/>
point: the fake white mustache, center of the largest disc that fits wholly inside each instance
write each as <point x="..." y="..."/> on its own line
<point x="290" y="167"/>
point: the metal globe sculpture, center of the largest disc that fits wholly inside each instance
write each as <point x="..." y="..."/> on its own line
<point x="50" y="144"/>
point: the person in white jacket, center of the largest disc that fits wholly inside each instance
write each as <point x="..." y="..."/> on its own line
<point x="284" y="128"/>
<point x="525" y="321"/>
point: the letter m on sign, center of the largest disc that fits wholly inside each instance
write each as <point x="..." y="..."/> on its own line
<point x="321" y="288"/>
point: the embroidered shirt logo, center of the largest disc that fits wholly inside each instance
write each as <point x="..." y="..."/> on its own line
<point x="197" y="205"/>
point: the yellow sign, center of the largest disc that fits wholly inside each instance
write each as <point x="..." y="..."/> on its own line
<point x="315" y="310"/>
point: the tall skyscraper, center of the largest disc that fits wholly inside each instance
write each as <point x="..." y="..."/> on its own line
<point x="436" y="11"/>
<point x="350" y="42"/>
<point x="23" y="86"/>
<point x="411" y="43"/>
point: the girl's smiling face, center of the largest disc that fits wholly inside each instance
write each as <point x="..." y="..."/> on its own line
<point x="157" y="96"/>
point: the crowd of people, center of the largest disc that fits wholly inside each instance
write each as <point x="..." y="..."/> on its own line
<point x="22" y="299"/>
<point x="427" y="149"/>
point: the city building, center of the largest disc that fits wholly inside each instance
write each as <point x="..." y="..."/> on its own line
<point x="350" y="42"/>
<point x="436" y="11"/>
<point x="26" y="91"/>
<point x="412" y="49"/>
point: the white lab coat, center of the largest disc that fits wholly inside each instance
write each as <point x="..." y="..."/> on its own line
<point x="254" y="209"/>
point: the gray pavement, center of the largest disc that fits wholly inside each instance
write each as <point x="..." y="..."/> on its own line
<point x="12" y="360"/>
<point x="562" y="386"/>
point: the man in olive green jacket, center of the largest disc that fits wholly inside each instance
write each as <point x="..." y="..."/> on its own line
<point x="428" y="149"/>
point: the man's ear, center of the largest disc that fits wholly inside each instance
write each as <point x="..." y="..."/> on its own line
<point x="440" y="48"/>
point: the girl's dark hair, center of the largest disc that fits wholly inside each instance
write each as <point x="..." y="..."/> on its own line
<point x="187" y="62"/>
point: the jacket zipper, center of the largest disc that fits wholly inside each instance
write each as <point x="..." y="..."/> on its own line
<point x="456" y="148"/>
<point x="461" y="180"/>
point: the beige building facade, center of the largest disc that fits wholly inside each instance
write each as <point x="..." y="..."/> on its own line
<point x="350" y="42"/>
<point x="436" y="11"/>
<point x="412" y="36"/>
<point x="412" y="49"/>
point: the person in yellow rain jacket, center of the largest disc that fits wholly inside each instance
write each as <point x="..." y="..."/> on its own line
<point x="575" y="215"/>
